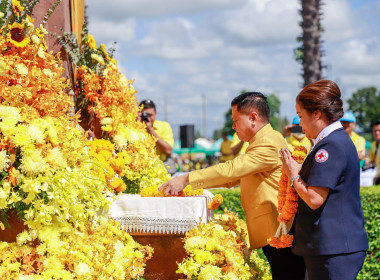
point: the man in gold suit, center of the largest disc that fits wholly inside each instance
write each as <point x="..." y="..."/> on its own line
<point x="258" y="172"/>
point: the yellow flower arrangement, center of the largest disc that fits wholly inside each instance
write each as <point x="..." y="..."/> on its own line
<point x="111" y="98"/>
<point x="219" y="250"/>
<point x="57" y="186"/>
<point x="78" y="256"/>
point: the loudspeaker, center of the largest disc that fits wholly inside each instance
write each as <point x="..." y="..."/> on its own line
<point x="186" y="136"/>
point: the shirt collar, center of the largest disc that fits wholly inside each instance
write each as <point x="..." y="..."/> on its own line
<point x="326" y="131"/>
<point x="261" y="132"/>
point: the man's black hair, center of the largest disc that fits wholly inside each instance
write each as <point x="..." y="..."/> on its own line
<point x="247" y="101"/>
<point x="375" y="123"/>
<point x="147" y="103"/>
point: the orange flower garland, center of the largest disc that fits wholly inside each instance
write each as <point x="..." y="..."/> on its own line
<point x="287" y="204"/>
<point x="216" y="201"/>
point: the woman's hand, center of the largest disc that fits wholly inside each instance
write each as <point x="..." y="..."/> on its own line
<point x="291" y="167"/>
<point x="175" y="185"/>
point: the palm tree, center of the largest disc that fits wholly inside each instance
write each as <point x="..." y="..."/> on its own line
<point x="310" y="53"/>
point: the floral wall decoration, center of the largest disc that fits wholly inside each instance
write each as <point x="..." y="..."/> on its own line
<point x="48" y="176"/>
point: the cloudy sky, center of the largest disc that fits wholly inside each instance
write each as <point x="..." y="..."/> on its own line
<point x="193" y="57"/>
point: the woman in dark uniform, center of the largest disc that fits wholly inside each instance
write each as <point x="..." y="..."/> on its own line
<point x="329" y="225"/>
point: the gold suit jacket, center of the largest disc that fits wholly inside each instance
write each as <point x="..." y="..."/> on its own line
<point x="258" y="172"/>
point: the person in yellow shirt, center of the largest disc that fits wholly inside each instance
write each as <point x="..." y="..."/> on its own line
<point x="238" y="147"/>
<point x="258" y="172"/>
<point x="161" y="130"/>
<point x="374" y="153"/>
<point x="225" y="149"/>
<point x="348" y="122"/>
<point x="295" y="135"/>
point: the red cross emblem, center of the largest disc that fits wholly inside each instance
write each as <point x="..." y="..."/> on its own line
<point x="321" y="156"/>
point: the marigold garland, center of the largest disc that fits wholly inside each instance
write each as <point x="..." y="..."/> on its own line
<point x="216" y="201"/>
<point x="287" y="204"/>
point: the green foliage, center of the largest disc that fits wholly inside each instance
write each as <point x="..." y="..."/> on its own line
<point x="231" y="201"/>
<point x="50" y="11"/>
<point x="370" y="199"/>
<point x="30" y="5"/>
<point x="275" y="119"/>
<point x="365" y="104"/>
<point x="133" y="186"/>
<point x="3" y="9"/>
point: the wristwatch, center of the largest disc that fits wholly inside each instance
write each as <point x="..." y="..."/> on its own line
<point x="291" y="181"/>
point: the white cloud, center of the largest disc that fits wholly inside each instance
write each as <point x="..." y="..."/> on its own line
<point x="341" y="22"/>
<point x="108" y="32"/>
<point x="115" y="10"/>
<point x="179" y="51"/>
<point x="261" y="22"/>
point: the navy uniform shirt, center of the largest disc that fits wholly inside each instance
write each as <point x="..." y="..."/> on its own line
<point x="338" y="225"/>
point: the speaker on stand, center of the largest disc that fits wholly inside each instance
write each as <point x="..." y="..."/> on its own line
<point x="187" y="136"/>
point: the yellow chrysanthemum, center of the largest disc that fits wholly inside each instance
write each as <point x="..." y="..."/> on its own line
<point x="22" y="137"/>
<point x="104" y="50"/>
<point x="210" y="272"/>
<point x="36" y="134"/>
<point x="91" y="42"/>
<point x="16" y="35"/>
<point x="9" y="112"/>
<point x="188" y="267"/>
<point x="56" y="159"/>
<point x="4" y="160"/>
<point x="32" y="163"/>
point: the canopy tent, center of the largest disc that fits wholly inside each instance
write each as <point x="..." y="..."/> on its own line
<point x="201" y="145"/>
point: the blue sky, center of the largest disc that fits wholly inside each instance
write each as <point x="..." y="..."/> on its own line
<point x="181" y="52"/>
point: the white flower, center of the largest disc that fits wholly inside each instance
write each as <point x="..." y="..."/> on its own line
<point x="41" y="53"/>
<point x="22" y="69"/>
<point x="35" y="39"/>
<point x="82" y="269"/>
<point x="98" y="58"/>
<point x="43" y="30"/>
<point x="4" y="160"/>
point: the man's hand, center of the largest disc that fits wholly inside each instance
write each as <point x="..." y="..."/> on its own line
<point x="175" y="185"/>
<point x="286" y="131"/>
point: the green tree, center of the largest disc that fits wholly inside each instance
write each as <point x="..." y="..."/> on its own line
<point x="274" y="107"/>
<point x="365" y="105"/>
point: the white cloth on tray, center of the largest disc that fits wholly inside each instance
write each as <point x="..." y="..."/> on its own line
<point x="160" y="214"/>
